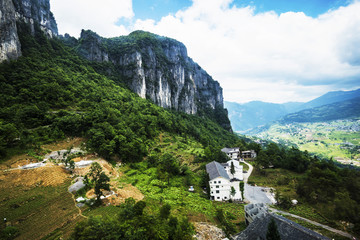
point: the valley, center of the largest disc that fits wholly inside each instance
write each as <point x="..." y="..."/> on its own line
<point x="339" y="140"/>
<point x="111" y="138"/>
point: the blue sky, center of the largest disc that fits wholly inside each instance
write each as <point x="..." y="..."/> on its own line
<point x="310" y="7"/>
<point x="267" y="50"/>
<point x="156" y="9"/>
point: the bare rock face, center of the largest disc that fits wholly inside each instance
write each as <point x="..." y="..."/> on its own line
<point x="29" y="11"/>
<point x="156" y="68"/>
<point x="37" y="11"/>
<point x="9" y="41"/>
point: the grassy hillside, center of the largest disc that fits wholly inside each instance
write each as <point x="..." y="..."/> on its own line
<point x="50" y="95"/>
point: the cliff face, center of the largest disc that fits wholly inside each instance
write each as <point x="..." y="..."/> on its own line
<point x="156" y="68"/>
<point x="9" y="40"/>
<point x="29" y="11"/>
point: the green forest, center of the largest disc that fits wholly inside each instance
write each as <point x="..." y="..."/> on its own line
<point x="332" y="190"/>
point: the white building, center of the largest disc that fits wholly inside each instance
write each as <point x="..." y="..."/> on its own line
<point x="219" y="182"/>
<point x="248" y="154"/>
<point x="237" y="167"/>
<point x="232" y="153"/>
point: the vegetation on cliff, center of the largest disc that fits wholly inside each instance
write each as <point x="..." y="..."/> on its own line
<point x="51" y="92"/>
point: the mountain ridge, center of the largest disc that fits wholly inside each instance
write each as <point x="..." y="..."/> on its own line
<point x="257" y="113"/>
<point x="157" y="68"/>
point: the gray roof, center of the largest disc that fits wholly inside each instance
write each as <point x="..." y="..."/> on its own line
<point x="227" y="150"/>
<point x="288" y="230"/>
<point x="224" y="164"/>
<point x="214" y="169"/>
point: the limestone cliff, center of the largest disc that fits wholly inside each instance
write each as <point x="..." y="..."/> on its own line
<point x="157" y="68"/>
<point x="31" y="12"/>
<point x="9" y="40"/>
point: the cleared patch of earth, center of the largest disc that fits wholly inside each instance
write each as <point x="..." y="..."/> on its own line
<point x="119" y="195"/>
<point x="206" y="231"/>
<point x="37" y="201"/>
<point x="50" y="175"/>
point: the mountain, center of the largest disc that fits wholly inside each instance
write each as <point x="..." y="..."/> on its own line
<point x="51" y="95"/>
<point x="348" y="109"/>
<point x="330" y="97"/>
<point x="246" y="116"/>
<point x="157" y="68"/>
<point x="338" y="110"/>
<point x="52" y="91"/>
<point x="252" y="114"/>
<point x="154" y="67"/>
<point x="34" y="13"/>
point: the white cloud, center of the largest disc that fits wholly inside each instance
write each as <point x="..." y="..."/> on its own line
<point x="282" y="55"/>
<point x="99" y="16"/>
<point x="266" y="56"/>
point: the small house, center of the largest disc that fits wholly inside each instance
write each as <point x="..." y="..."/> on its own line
<point x="220" y="185"/>
<point x="232" y="153"/>
<point x="248" y="154"/>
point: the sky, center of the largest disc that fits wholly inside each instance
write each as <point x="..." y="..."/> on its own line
<point x="267" y="50"/>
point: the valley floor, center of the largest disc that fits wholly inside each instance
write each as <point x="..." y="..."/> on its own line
<point x="338" y="139"/>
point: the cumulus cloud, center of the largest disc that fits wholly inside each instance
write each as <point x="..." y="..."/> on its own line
<point x="265" y="56"/>
<point x="99" y="16"/>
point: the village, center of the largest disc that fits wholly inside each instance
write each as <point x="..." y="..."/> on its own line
<point x="228" y="182"/>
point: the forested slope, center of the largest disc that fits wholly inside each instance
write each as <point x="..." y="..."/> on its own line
<point x="50" y="92"/>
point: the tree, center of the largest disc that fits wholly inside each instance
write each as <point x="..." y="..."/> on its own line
<point x="169" y="166"/>
<point x="9" y="233"/>
<point x="233" y="191"/>
<point x="226" y="224"/>
<point x="98" y="179"/>
<point x="272" y="232"/>
<point x="241" y="186"/>
<point x="232" y="168"/>
<point x="262" y="159"/>
<point x="165" y="211"/>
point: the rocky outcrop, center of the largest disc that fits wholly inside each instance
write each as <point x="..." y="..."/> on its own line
<point x="9" y="41"/>
<point x="206" y="231"/>
<point x="156" y="68"/>
<point x="31" y="12"/>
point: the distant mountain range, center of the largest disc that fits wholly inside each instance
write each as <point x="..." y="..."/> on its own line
<point x="330" y="106"/>
<point x="339" y="110"/>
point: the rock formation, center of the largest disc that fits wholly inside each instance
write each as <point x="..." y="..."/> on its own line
<point x="31" y="12"/>
<point x="157" y="68"/>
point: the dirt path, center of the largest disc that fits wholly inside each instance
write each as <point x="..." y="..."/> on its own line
<point x="247" y="175"/>
<point x="80" y="212"/>
<point x="314" y="223"/>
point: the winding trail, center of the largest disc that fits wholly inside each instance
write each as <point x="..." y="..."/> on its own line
<point x="247" y="175"/>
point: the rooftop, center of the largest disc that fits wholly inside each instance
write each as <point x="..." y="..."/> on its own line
<point x="228" y="150"/>
<point x="215" y="169"/>
<point x="288" y="230"/>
